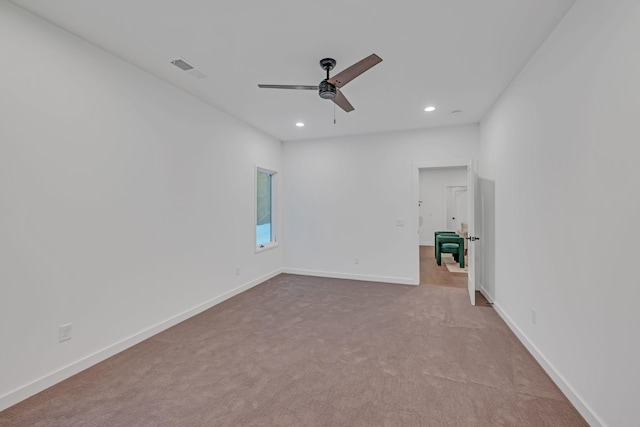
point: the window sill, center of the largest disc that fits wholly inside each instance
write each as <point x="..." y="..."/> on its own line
<point x="266" y="247"/>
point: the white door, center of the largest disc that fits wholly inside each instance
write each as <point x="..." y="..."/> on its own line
<point x="471" y="192"/>
<point x="455" y="207"/>
<point x="450" y="209"/>
<point x="461" y="207"/>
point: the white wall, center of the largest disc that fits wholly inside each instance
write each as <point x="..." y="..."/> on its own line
<point x="125" y="204"/>
<point x="561" y="145"/>
<point x="346" y="194"/>
<point x="433" y="183"/>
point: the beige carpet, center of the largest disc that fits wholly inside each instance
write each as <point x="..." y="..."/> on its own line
<point x="452" y="265"/>
<point x="302" y="351"/>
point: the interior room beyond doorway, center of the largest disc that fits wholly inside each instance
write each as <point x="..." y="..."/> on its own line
<point x="434" y="274"/>
<point x="442" y="207"/>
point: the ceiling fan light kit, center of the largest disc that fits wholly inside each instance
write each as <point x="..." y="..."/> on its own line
<point x="329" y="88"/>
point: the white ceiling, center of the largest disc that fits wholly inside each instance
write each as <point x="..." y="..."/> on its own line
<point x="454" y="54"/>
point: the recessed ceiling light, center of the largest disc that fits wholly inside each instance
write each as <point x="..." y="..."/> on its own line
<point x="299" y="124"/>
<point x="430" y="108"/>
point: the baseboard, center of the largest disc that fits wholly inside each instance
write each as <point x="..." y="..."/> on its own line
<point x="363" y="277"/>
<point x="486" y="294"/>
<point x="65" y="372"/>
<point x="427" y="243"/>
<point x="71" y="369"/>
<point x="588" y="414"/>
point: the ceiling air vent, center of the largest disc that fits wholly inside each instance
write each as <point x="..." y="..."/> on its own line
<point x="182" y="64"/>
<point x="190" y="69"/>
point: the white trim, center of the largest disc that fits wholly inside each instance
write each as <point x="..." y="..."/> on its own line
<point x="266" y="247"/>
<point x="588" y="414"/>
<point x="445" y="209"/>
<point x="430" y="243"/>
<point x="486" y="294"/>
<point x="445" y="194"/>
<point x="28" y="390"/>
<point x="363" y="277"/>
<point x="441" y="164"/>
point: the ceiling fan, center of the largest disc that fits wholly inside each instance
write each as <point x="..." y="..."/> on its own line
<point x="329" y="87"/>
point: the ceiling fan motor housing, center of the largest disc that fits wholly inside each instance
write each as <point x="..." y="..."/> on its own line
<point x="327" y="90"/>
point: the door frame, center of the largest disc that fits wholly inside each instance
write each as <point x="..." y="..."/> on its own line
<point x="470" y="165"/>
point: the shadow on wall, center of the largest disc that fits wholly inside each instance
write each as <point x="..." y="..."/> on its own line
<point x="485" y="274"/>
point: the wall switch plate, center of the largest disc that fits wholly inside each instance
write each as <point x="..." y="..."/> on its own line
<point x="237" y="270"/>
<point x="356" y="260"/>
<point x="534" y="316"/>
<point x="64" y="332"/>
<point x="399" y="222"/>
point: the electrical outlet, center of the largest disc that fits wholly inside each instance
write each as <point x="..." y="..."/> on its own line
<point x="64" y="332"/>
<point x="534" y="316"/>
<point x="238" y="270"/>
<point x="356" y="260"/>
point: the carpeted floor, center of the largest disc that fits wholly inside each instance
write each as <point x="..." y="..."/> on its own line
<point x="306" y="351"/>
<point x="434" y="274"/>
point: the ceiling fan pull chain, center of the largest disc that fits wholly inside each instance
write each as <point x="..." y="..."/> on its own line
<point x="334" y="113"/>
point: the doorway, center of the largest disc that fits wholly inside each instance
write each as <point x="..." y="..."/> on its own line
<point x="445" y="192"/>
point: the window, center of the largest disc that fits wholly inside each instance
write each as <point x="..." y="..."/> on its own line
<point x="265" y="208"/>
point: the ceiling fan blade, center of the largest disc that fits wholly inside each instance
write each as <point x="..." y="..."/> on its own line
<point x="298" y="87"/>
<point x="345" y="76"/>
<point x="342" y="102"/>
